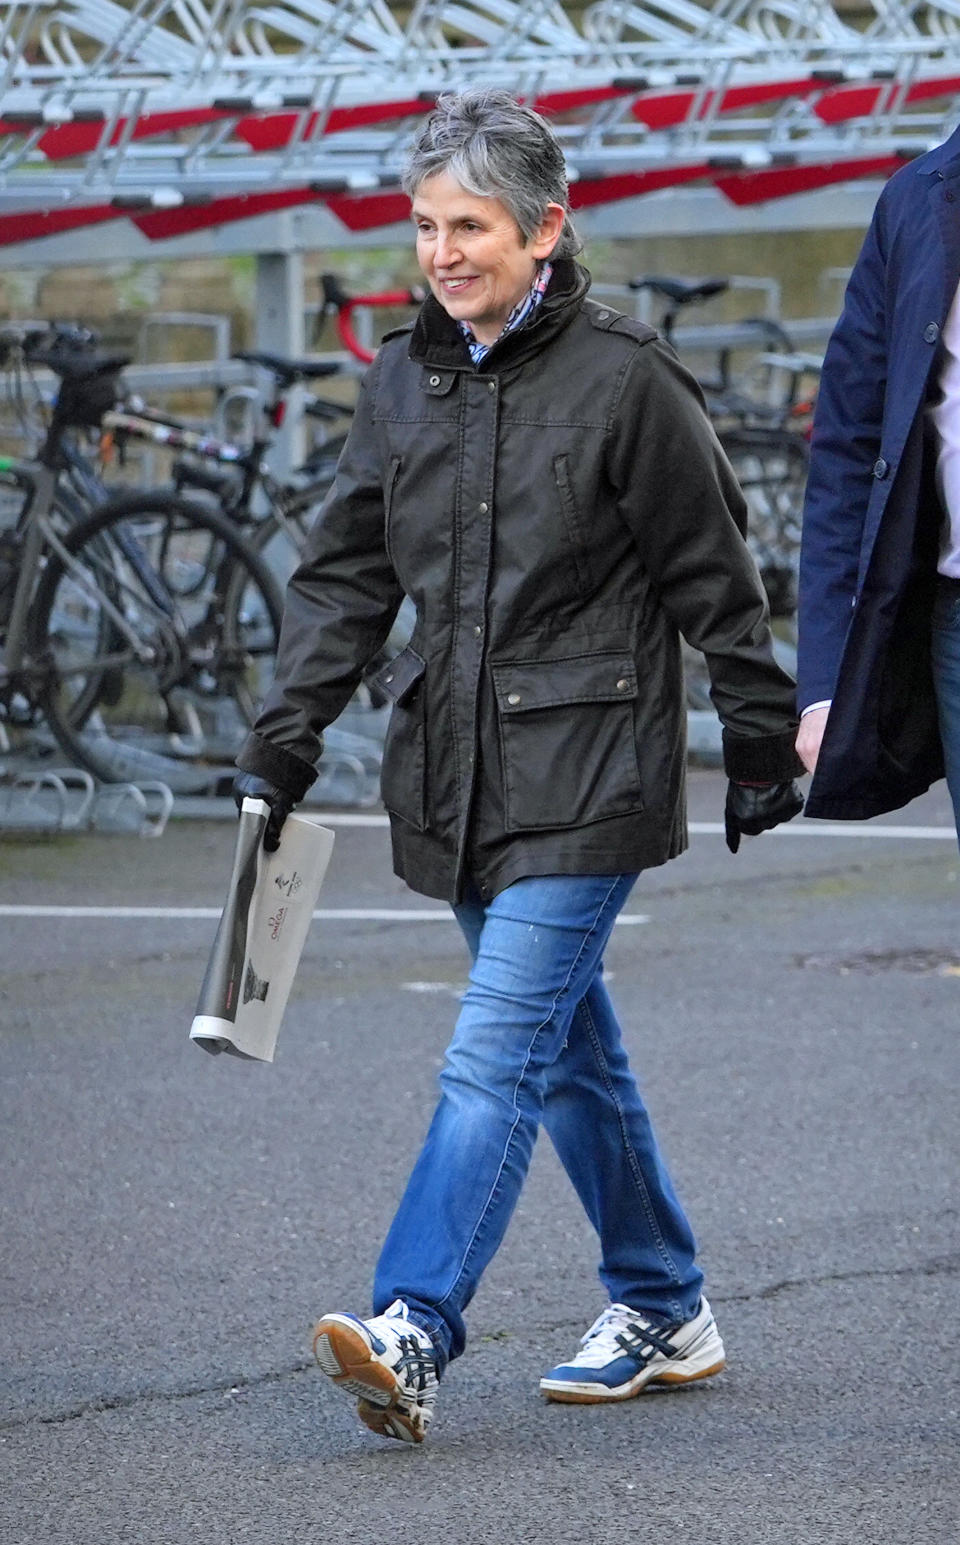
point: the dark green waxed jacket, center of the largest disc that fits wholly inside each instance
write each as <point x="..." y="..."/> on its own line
<point x="559" y="515"/>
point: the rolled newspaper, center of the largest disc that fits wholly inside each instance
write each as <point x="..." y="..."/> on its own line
<point x="261" y="934"/>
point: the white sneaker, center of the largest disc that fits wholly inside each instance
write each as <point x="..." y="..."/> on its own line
<point x="622" y="1352"/>
<point x="389" y="1362"/>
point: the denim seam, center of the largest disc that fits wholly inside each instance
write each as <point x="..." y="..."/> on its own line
<point x="485" y="1210"/>
<point x="635" y="1170"/>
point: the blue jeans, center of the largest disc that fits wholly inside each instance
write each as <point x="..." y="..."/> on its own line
<point x="946" y="680"/>
<point x="537" y="1041"/>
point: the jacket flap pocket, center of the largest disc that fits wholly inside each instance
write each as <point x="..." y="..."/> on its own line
<point x="400" y="675"/>
<point x="437" y="383"/>
<point x="598" y="678"/>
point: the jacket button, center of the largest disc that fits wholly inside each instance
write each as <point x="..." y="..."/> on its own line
<point x="602" y="316"/>
<point x="880" y="467"/>
<point x="483" y="506"/>
<point x="434" y="380"/>
<point x="491" y="386"/>
<point x="622" y="684"/>
<point x="513" y="699"/>
<point x="931" y="333"/>
<point x="478" y="631"/>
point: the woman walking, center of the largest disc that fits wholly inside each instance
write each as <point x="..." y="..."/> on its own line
<point x="538" y="474"/>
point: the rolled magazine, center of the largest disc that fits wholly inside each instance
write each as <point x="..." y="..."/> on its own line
<point x="261" y="934"/>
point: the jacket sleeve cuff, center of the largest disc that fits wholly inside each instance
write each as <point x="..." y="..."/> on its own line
<point x="267" y="760"/>
<point x="762" y="758"/>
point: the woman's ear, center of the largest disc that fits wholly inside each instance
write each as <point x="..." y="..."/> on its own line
<point x="548" y="232"/>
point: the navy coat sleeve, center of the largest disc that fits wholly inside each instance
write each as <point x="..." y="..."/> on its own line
<point x="845" y="447"/>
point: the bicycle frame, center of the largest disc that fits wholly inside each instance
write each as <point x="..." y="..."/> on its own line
<point x="40" y="483"/>
<point x="39" y="534"/>
<point x="283" y="502"/>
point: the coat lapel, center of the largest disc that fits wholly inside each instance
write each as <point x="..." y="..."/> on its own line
<point x="945" y="191"/>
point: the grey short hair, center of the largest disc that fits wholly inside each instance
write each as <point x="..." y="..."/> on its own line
<point x="496" y="148"/>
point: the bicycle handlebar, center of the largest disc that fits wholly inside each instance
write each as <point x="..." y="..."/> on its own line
<point x="335" y="298"/>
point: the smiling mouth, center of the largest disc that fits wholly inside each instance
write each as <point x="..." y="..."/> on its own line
<point x="453" y="285"/>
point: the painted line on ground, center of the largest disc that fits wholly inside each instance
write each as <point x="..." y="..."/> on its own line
<point x="191" y="914"/>
<point x="809" y="828"/>
<point x="837" y="829"/>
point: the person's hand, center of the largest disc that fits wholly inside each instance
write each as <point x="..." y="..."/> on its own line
<point x="753" y="808"/>
<point x="809" y="736"/>
<point x="249" y="786"/>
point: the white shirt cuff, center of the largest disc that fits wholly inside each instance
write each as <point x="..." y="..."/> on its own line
<point x="812" y="706"/>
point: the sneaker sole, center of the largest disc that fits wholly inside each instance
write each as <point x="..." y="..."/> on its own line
<point x="388" y="1423"/>
<point x="346" y="1358"/>
<point x="595" y="1394"/>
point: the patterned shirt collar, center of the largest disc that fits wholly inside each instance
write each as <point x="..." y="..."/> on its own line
<point x="521" y="313"/>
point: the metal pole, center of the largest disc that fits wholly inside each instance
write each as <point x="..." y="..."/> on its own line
<point x="279" y="330"/>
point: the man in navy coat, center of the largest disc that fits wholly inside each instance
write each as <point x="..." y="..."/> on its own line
<point x="879" y="643"/>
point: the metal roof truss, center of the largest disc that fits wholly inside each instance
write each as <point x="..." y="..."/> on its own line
<point x="163" y="108"/>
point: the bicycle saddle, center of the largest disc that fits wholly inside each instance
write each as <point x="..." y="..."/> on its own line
<point x="680" y="291"/>
<point x="79" y="367"/>
<point x="289" y="370"/>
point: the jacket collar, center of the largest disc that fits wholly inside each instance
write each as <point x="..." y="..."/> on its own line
<point x="944" y="161"/>
<point x="437" y="340"/>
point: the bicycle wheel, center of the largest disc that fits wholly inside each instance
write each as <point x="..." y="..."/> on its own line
<point x="771" y="468"/>
<point x="280" y="536"/>
<point x="153" y="636"/>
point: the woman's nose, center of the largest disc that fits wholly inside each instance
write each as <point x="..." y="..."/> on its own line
<point x="445" y="253"/>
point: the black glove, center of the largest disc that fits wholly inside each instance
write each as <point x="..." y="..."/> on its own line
<point x="753" y="808"/>
<point x="281" y="801"/>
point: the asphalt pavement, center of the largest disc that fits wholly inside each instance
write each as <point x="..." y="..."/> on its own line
<point x="171" y="1223"/>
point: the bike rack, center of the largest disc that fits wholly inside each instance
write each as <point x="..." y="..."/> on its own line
<point x="349" y="772"/>
<point x="183" y="114"/>
<point x="61" y="800"/>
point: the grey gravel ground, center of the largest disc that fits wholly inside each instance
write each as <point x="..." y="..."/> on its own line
<point x="171" y="1224"/>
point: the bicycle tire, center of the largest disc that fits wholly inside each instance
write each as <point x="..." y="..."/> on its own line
<point x="281" y="535"/>
<point x="165" y="688"/>
<point x="771" y="467"/>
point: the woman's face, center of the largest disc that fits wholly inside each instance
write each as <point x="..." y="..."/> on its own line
<point x="472" y="253"/>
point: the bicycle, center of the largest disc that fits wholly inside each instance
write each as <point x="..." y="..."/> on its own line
<point x="143" y="632"/>
<point x="244" y="482"/>
<point x="238" y="477"/>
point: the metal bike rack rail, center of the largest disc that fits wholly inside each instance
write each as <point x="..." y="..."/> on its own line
<point x="179" y="115"/>
<point x="54" y="801"/>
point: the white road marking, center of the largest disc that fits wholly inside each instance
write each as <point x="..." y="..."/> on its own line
<point x="836" y="829"/>
<point x="802" y="828"/>
<point x="444" y="915"/>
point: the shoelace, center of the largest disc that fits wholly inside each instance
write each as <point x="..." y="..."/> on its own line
<point x="414" y="1365"/>
<point x="635" y="1336"/>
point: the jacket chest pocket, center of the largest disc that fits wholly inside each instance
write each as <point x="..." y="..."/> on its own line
<point x="573" y="524"/>
<point x="404" y="770"/>
<point x="389" y="491"/>
<point x="567" y="740"/>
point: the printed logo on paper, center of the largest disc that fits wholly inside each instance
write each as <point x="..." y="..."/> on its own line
<point x="254" y="986"/>
<point x="277" y="921"/>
